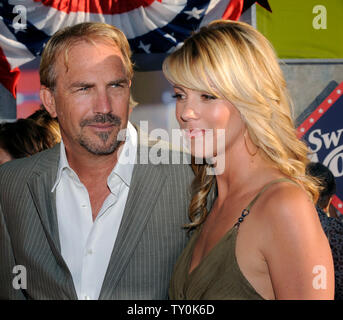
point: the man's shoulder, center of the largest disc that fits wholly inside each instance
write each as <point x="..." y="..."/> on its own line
<point x="21" y="169"/>
<point x="161" y="152"/>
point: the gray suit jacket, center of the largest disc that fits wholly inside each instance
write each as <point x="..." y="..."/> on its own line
<point x="149" y="240"/>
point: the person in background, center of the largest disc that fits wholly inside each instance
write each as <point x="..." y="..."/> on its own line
<point x="43" y="118"/>
<point x="262" y="238"/>
<point x="327" y="183"/>
<point x="332" y="226"/>
<point x="23" y="138"/>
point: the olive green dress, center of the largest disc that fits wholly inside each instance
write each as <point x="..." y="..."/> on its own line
<point x="218" y="276"/>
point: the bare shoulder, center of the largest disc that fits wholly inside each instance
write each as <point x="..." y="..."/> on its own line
<point x="287" y="204"/>
<point x="289" y="216"/>
<point x="293" y="243"/>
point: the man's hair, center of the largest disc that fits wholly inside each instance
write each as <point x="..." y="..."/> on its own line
<point x="64" y="39"/>
<point x="24" y="138"/>
<point x="327" y="182"/>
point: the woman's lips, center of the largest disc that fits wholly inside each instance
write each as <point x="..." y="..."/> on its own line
<point x="194" y="133"/>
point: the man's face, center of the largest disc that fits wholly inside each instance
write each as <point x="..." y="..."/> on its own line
<point x="91" y="97"/>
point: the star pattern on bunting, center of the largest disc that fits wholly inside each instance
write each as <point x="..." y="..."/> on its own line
<point x="170" y="36"/>
<point x="194" y="13"/>
<point x="145" y="47"/>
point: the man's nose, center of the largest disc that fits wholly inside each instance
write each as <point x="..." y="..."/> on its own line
<point x="102" y="104"/>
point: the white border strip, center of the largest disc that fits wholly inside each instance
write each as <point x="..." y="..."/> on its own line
<point x="312" y="61"/>
<point x="253" y="16"/>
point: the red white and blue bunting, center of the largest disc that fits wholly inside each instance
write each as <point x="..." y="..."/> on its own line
<point x="152" y="26"/>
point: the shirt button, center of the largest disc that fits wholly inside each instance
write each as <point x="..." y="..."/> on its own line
<point x="84" y="206"/>
<point x="87" y="297"/>
<point x="89" y="251"/>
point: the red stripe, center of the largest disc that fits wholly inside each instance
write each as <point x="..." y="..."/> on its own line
<point x="8" y="78"/>
<point x="337" y="203"/>
<point x="97" y="6"/>
<point x="320" y="110"/>
<point x="234" y="10"/>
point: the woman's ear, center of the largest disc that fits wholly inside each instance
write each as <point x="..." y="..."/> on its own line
<point x="48" y="100"/>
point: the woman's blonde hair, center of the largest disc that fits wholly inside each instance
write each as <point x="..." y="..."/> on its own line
<point x="233" y="61"/>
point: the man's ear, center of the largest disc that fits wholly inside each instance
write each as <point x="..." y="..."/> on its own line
<point x="48" y="100"/>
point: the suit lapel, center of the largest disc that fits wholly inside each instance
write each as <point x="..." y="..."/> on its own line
<point x="146" y="183"/>
<point x="40" y="185"/>
<point x="44" y="201"/>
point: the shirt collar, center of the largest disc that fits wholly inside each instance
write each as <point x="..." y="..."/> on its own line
<point x="63" y="164"/>
<point x="127" y="157"/>
<point x="123" y="168"/>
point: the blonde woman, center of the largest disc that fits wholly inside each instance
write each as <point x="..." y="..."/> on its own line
<point x="262" y="238"/>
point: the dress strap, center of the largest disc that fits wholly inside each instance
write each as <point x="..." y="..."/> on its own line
<point x="246" y="210"/>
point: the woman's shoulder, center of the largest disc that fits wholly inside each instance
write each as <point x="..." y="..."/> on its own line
<point x="287" y="206"/>
<point x="287" y="198"/>
<point x="288" y="217"/>
<point x="293" y="242"/>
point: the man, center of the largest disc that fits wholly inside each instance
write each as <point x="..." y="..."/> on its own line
<point x="76" y="221"/>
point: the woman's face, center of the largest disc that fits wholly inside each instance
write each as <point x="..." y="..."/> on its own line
<point x="210" y="124"/>
<point x="4" y="156"/>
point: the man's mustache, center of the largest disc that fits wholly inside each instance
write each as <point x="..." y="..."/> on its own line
<point x="102" y="118"/>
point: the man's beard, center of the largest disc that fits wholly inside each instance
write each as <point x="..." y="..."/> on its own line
<point x="95" y="147"/>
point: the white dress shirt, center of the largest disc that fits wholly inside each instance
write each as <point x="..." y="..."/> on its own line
<point x="86" y="246"/>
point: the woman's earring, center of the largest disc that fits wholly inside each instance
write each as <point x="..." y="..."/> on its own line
<point x="246" y="145"/>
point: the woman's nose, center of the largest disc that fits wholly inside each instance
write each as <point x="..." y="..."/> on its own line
<point x="189" y="113"/>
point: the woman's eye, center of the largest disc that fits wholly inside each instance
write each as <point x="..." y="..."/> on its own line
<point x="177" y="96"/>
<point x="208" y="97"/>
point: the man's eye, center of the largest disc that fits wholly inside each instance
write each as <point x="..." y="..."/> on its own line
<point x="116" y="85"/>
<point x="123" y="84"/>
<point x="83" y="89"/>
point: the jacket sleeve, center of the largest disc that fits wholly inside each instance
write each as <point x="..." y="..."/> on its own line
<point x="7" y="263"/>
